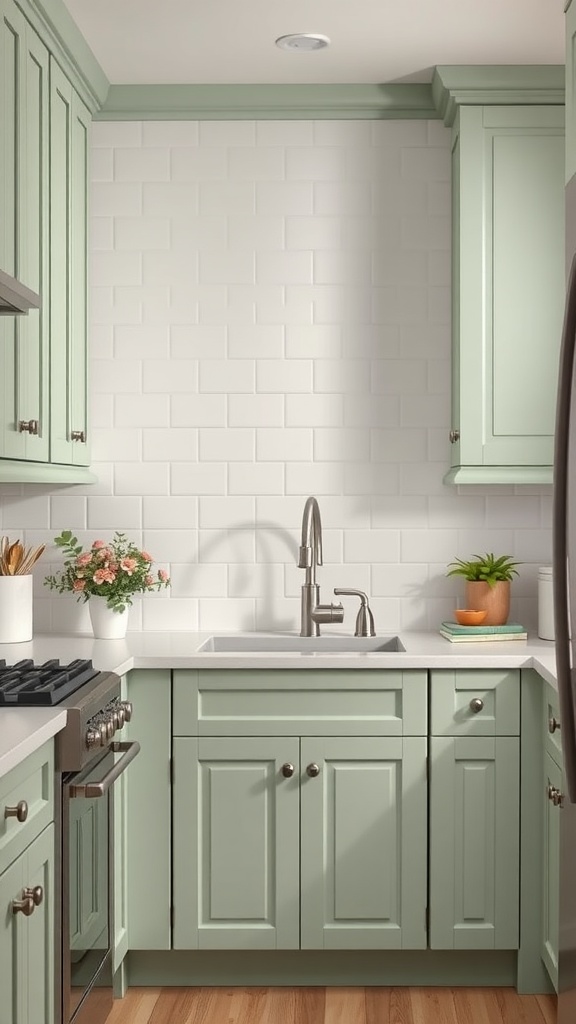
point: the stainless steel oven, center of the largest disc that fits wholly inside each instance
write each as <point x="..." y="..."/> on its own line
<point x="89" y="761"/>
<point x="88" y="884"/>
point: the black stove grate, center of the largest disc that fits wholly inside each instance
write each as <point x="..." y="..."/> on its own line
<point x="29" y="685"/>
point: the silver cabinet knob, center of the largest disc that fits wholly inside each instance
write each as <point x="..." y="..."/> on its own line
<point x="553" y="724"/>
<point x="312" y="770"/>
<point x="555" y="795"/>
<point x="36" y="895"/>
<point x="78" y="435"/>
<point x="454" y="436"/>
<point x="476" y="705"/>
<point x="28" y="426"/>
<point x="20" y="812"/>
<point x="24" y="906"/>
<point x="287" y="770"/>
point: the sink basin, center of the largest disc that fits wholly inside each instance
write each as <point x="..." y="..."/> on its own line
<point x="271" y="643"/>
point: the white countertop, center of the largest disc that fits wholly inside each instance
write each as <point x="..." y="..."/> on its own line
<point x="24" y="730"/>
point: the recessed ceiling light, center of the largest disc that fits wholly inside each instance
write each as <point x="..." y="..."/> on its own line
<point x="303" y="41"/>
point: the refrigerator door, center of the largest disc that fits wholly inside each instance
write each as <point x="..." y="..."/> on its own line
<point x="564" y="550"/>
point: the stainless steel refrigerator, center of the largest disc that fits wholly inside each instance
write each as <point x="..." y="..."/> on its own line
<point x="564" y="560"/>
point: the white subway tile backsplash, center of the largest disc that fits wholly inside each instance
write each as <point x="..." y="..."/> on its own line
<point x="270" y="319"/>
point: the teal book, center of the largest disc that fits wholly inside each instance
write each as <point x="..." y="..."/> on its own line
<point x="509" y="627"/>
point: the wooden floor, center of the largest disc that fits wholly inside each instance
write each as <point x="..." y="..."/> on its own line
<point x="331" y="1006"/>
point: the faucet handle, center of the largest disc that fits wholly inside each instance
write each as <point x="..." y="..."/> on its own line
<point x="365" y="619"/>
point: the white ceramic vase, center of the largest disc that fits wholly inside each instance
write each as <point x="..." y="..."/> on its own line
<point x="106" y="623"/>
<point x="15" y="609"/>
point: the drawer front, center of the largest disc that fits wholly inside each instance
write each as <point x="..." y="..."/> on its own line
<point x="552" y="724"/>
<point x="29" y="790"/>
<point x="300" y="703"/>
<point x="475" y="702"/>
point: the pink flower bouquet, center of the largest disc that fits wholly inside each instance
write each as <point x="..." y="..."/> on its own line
<point x="114" y="571"/>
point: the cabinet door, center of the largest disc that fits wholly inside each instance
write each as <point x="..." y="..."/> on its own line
<point x="24" y="341"/>
<point x="120" y="944"/>
<point x="236" y="854"/>
<point x="69" y="136"/>
<point x="363" y="824"/>
<point x="88" y="850"/>
<point x="508" y="291"/>
<point x="550" y="888"/>
<point x="474" y="842"/>
<point x="27" y="943"/>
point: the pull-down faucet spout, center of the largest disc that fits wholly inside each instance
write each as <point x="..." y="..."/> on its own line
<point x="312" y="612"/>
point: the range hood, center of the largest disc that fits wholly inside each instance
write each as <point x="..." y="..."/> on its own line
<point x="16" y="297"/>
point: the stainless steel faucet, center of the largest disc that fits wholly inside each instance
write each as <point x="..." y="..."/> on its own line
<point x="312" y="612"/>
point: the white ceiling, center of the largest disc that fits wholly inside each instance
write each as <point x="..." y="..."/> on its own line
<point x="372" y="41"/>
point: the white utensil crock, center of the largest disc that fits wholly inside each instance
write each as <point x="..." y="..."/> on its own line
<point x="15" y="609"/>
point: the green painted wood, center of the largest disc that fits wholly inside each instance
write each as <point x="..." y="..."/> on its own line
<point x="69" y="127"/>
<point x="27" y="943"/>
<point x="509" y="218"/>
<point x="149" y="812"/>
<point x="55" y="25"/>
<point x="552" y="776"/>
<point x="260" y="102"/>
<point x="33" y="781"/>
<point x="570" y="91"/>
<point x="120" y="846"/>
<point x="461" y="84"/>
<point x="23" y="213"/>
<point x="39" y="974"/>
<point x="531" y="976"/>
<point x="363" y="860"/>
<point x="13" y="472"/>
<point x="474" y="842"/>
<point x="236" y="843"/>
<point x="552" y="740"/>
<point x="324" y="967"/>
<point x="87" y="850"/>
<point x="300" y="702"/>
<point x="498" y="474"/>
<point x="451" y="692"/>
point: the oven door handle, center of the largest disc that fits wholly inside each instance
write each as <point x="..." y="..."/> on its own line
<point x="91" y="790"/>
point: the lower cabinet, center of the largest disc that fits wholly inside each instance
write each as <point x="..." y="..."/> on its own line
<point x="552" y="798"/>
<point x="27" y="936"/>
<point x="474" y="809"/>
<point x="312" y="842"/>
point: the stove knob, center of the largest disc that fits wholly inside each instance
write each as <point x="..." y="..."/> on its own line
<point x="103" y="734"/>
<point x="126" y="706"/>
<point x="110" y="728"/>
<point x="119" y="717"/>
<point x="92" y="738"/>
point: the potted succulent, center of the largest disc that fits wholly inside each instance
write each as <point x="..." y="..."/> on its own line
<point x="488" y="581"/>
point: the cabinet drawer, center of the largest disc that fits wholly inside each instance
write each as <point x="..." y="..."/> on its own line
<point x="475" y="703"/>
<point x="30" y="783"/>
<point x="553" y="740"/>
<point x="300" y="703"/>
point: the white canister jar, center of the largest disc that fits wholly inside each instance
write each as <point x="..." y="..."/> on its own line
<point x="545" y="603"/>
<point x="15" y="609"/>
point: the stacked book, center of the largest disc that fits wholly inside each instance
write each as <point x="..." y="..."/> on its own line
<point x="474" y="634"/>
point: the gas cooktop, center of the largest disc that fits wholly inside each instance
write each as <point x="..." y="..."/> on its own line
<point x="27" y="684"/>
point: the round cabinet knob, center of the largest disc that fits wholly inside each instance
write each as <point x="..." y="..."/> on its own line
<point x="553" y="724"/>
<point x="20" y="811"/>
<point x="36" y="895"/>
<point x="312" y="770"/>
<point x="287" y="770"/>
<point x="25" y="906"/>
<point x="555" y="795"/>
<point x="476" y="705"/>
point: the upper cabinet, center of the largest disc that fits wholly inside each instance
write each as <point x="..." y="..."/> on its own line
<point x="44" y="130"/>
<point x="570" y="90"/>
<point x="508" y="277"/>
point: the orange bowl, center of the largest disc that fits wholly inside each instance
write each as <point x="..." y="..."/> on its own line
<point x="469" y="616"/>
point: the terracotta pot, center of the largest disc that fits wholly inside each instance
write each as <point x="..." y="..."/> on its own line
<point x="495" y="600"/>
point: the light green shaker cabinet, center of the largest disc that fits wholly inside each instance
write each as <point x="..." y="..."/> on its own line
<point x="474" y="809"/>
<point x="27" y="942"/>
<point x="550" y="886"/>
<point x="44" y="127"/>
<point x="507" y="291"/>
<point x="24" y="177"/>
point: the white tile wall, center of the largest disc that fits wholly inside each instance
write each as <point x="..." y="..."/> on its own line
<point x="270" y="319"/>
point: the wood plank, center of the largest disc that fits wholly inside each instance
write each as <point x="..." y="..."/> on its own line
<point x="310" y="1005"/>
<point x="400" y="1006"/>
<point x="135" y="1008"/>
<point x="345" y="1006"/>
<point x="433" y="1005"/>
<point x="470" y="1006"/>
<point x="378" y="1003"/>
<point x="513" y="1009"/>
<point x="547" y="1006"/>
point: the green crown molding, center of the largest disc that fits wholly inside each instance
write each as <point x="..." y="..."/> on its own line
<point x="54" y="24"/>
<point x="456" y="85"/>
<point x="261" y="102"/>
<point x="14" y="472"/>
<point x="499" y="475"/>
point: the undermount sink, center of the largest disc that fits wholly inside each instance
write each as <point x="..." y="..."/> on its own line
<point x="258" y="643"/>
